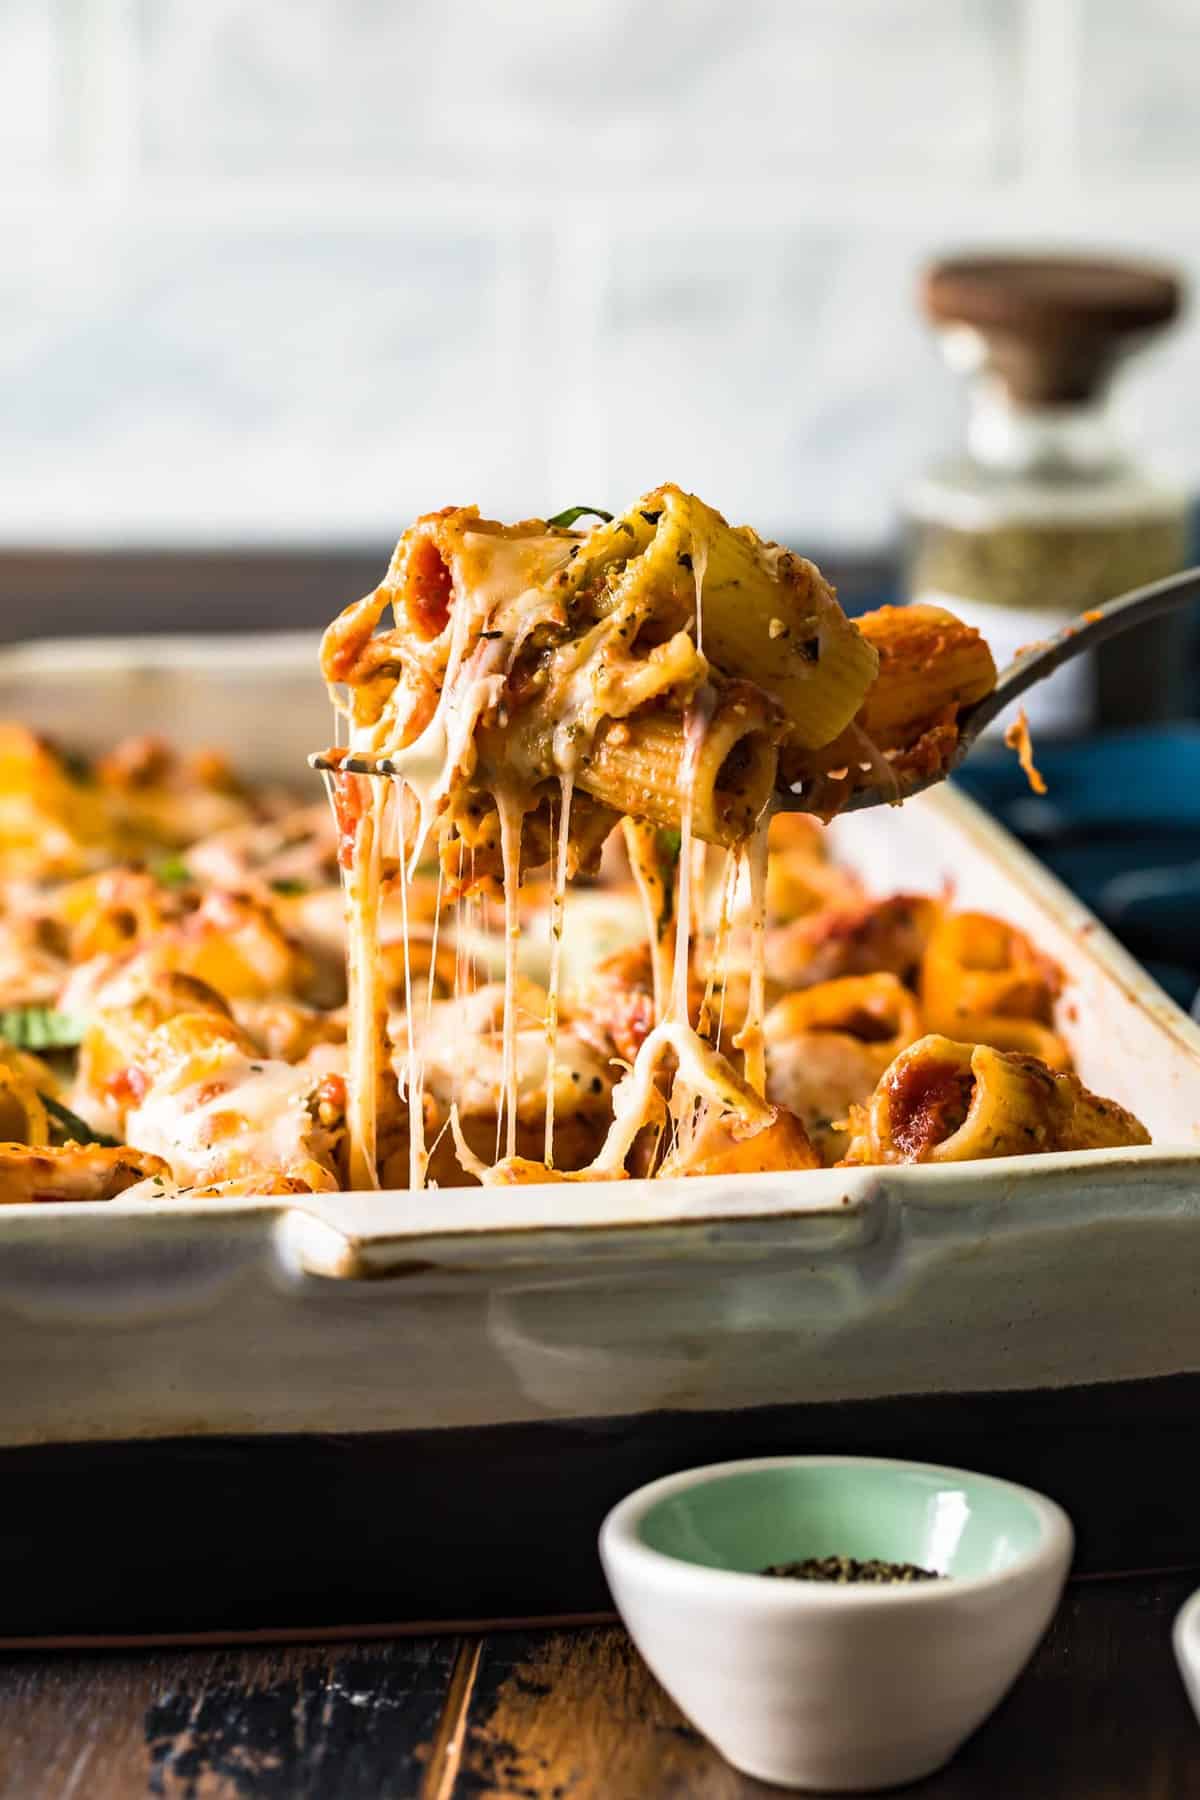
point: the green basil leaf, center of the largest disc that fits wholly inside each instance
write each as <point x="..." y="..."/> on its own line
<point x="41" y="1028"/>
<point x="172" y="871"/>
<point x="77" y="1129"/>
<point x="566" y="519"/>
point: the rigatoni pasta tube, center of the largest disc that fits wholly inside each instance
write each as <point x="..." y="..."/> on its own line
<point x="828" y="1045"/>
<point x="874" y="1009"/>
<point x="32" y="1173"/>
<point x="976" y="966"/>
<point x="928" y="661"/>
<point x="724" y="1145"/>
<point x="931" y="665"/>
<point x="766" y="615"/>
<point x="1026" y="1035"/>
<point x="654" y="764"/>
<point x="942" y="1101"/>
<point x="23" y="1117"/>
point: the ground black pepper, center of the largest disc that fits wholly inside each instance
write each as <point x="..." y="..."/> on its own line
<point x="845" y="1569"/>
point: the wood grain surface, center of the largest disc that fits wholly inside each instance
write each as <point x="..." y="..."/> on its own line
<point x="555" y="1715"/>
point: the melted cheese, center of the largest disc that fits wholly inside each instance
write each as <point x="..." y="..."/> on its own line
<point x="363" y="888"/>
<point x="557" y="905"/>
<point x="504" y="587"/>
<point x="497" y="600"/>
<point x="581" y="1079"/>
<point x="233" y="1117"/>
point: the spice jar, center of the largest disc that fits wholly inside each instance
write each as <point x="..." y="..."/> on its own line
<point x="1044" y="514"/>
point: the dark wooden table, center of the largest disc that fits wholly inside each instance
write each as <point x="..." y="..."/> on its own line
<point x="554" y="1715"/>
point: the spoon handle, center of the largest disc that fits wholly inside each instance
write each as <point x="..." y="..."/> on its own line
<point x="1084" y="633"/>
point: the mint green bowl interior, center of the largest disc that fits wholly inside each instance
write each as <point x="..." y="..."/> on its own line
<point x="956" y="1524"/>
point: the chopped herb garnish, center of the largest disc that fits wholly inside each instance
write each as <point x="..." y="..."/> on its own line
<point x="288" y="885"/>
<point x="684" y="560"/>
<point x="172" y="871"/>
<point x="565" y="520"/>
<point x="73" y="1128"/>
<point x="652" y="518"/>
<point x="41" y="1028"/>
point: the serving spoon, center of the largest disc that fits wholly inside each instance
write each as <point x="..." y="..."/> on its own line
<point x="1032" y="665"/>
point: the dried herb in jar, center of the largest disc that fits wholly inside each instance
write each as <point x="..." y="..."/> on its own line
<point x="1043" y="514"/>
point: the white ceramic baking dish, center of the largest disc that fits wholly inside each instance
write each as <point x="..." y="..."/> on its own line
<point x="530" y="1332"/>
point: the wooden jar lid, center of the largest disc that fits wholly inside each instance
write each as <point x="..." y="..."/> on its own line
<point x="1053" y="324"/>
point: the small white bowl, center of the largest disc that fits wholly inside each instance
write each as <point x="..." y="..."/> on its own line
<point x="1186" y="1638"/>
<point x="841" y="1687"/>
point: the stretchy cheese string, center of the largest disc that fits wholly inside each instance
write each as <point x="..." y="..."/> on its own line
<point x="433" y="948"/>
<point x="696" y="722"/>
<point x="641" y="845"/>
<point x="560" y="846"/>
<point x="699" y="554"/>
<point x="362" y="892"/>
<point x="750" y="1040"/>
<point x="511" y="821"/>
<point x="414" y="1086"/>
<point x="719" y="951"/>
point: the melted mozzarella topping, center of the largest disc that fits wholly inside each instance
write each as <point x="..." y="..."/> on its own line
<point x="578" y="1076"/>
<point x="232" y="1117"/>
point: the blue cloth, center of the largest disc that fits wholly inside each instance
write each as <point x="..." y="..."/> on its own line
<point x="1120" y="825"/>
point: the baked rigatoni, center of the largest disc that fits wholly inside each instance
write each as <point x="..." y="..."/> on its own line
<point x="978" y="967"/>
<point x="828" y="1045"/>
<point x="942" y="1101"/>
<point x="931" y="666"/>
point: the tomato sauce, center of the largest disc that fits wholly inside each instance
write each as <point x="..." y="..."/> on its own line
<point x="929" y="1101"/>
<point x="428" y="589"/>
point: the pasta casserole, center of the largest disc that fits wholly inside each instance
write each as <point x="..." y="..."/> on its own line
<point x="577" y="932"/>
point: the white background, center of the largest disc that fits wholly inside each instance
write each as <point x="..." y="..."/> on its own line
<point x="292" y="270"/>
